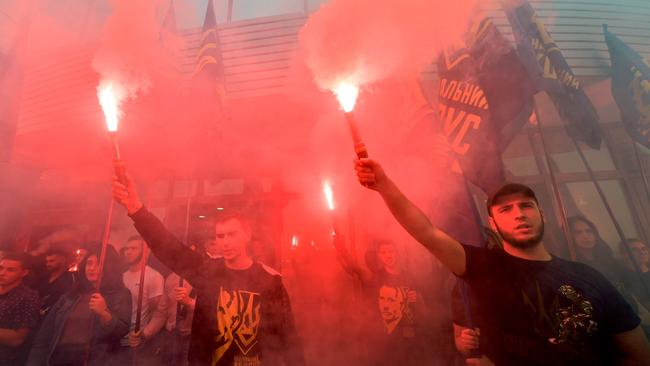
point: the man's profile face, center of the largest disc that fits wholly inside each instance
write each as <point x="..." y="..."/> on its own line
<point x="11" y="272"/>
<point x="132" y="251"/>
<point x="232" y="237"/>
<point x="212" y="248"/>
<point x="55" y="262"/>
<point x="391" y="303"/>
<point x="518" y="220"/>
<point x="387" y="255"/>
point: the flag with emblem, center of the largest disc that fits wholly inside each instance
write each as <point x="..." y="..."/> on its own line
<point x="552" y="74"/>
<point x="485" y="97"/>
<point x="630" y="87"/>
<point x="207" y="89"/>
<point x="207" y="113"/>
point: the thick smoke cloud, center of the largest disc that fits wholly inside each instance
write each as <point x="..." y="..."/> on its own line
<point x="296" y="139"/>
<point x="369" y="40"/>
<point x="130" y="51"/>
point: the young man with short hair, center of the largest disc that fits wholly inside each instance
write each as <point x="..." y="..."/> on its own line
<point x="19" y="310"/>
<point x="396" y="325"/>
<point x="58" y="281"/>
<point x="534" y="308"/>
<point x="242" y="314"/>
<point x="153" y="289"/>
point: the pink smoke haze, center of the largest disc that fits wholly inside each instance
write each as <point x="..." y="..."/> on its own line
<point x="364" y="41"/>
<point x="129" y="50"/>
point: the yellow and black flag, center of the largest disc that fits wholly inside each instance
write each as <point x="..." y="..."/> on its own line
<point x="207" y="89"/>
<point x="206" y="113"/>
<point x="485" y="96"/>
<point x="552" y="74"/>
<point x="630" y="87"/>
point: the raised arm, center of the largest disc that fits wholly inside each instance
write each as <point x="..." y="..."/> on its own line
<point x="165" y="246"/>
<point x="348" y="261"/>
<point x="448" y="250"/>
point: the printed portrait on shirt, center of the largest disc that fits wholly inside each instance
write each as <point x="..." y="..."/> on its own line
<point x="392" y="306"/>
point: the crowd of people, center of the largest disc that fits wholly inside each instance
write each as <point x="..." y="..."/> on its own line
<point x="513" y="303"/>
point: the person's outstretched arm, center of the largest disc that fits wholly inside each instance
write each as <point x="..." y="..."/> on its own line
<point x="448" y="250"/>
<point x="348" y="261"/>
<point x="164" y="245"/>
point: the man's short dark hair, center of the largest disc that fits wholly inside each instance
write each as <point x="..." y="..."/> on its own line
<point x="233" y="214"/>
<point x="382" y="242"/>
<point x="508" y="189"/>
<point x="134" y="238"/>
<point x="58" y="251"/>
<point x="16" y="256"/>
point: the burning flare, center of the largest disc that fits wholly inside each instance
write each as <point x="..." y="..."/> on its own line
<point x="329" y="195"/>
<point x="347" y="94"/>
<point x="109" y="98"/>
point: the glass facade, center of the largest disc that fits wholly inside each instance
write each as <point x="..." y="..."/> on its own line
<point x="614" y="168"/>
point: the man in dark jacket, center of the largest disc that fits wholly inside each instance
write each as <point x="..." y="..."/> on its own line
<point x="58" y="280"/>
<point x="242" y="314"/>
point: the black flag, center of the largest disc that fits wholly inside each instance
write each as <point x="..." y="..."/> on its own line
<point x="630" y="88"/>
<point x="485" y="96"/>
<point x="552" y="74"/>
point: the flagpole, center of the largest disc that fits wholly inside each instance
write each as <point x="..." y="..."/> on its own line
<point x="186" y="236"/>
<point x="564" y="223"/>
<point x="641" y="169"/>
<point x="139" y="303"/>
<point x="352" y="234"/>
<point x="102" y="261"/>
<point x="609" y="210"/>
<point x="464" y="287"/>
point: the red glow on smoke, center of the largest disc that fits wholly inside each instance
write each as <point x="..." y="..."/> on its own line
<point x="366" y="41"/>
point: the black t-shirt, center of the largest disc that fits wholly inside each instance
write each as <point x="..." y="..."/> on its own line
<point x="544" y="312"/>
<point x="463" y="309"/>
<point x="395" y="337"/>
<point x="235" y="312"/>
<point x="238" y="317"/>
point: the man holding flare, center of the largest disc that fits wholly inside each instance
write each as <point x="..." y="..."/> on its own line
<point x="534" y="308"/>
<point x="242" y="314"/>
